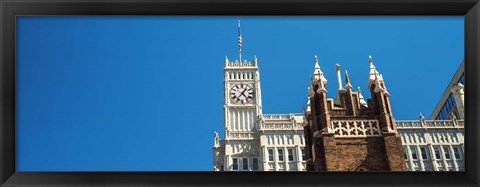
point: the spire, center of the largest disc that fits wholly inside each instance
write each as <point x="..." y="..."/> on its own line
<point x="348" y="86"/>
<point x="226" y="61"/>
<point x="318" y="74"/>
<point x="255" y="60"/>
<point x="383" y="85"/>
<point x="378" y="86"/>
<point x="373" y="72"/>
<point x="361" y="98"/>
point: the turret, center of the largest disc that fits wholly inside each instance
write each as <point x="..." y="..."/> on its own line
<point x="318" y="74"/>
<point x="381" y="99"/>
<point x="318" y="102"/>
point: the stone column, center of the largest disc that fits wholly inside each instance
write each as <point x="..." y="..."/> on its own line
<point x="275" y="158"/>
<point x="445" y="164"/>
<point x="285" y="158"/>
<point x="458" y="93"/>
<point x="298" y="157"/>
<point x="410" y="160"/>
<point x="227" y="166"/>
<point x="265" y="158"/>
<point x="432" y="157"/>
<point x="420" y="159"/>
<point x="452" y="155"/>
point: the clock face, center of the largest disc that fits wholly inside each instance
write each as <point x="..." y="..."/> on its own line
<point x="241" y="93"/>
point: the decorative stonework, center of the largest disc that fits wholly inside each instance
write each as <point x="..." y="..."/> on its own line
<point x="404" y="124"/>
<point x="241" y="135"/>
<point x="356" y="128"/>
<point x="281" y="126"/>
<point x="276" y="117"/>
<point x="240" y="64"/>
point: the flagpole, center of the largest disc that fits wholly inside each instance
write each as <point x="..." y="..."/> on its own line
<point x="239" y="42"/>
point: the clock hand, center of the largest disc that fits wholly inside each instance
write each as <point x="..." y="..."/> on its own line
<point x="243" y="92"/>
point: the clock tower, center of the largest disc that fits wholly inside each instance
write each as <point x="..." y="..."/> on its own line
<point x="240" y="149"/>
<point x="242" y="97"/>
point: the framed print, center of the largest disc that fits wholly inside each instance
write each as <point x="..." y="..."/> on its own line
<point x="239" y="93"/>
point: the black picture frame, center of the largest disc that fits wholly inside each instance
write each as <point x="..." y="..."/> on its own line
<point x="9" y="9"/>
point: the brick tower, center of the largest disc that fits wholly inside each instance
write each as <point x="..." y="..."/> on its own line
<point x="347" y="133"/>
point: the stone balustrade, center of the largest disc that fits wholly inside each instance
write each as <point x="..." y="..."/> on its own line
<point x="408" y="124"/>
<point x="356" y="128"/>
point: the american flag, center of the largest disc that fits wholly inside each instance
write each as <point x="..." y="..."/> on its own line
<point x="239" y="37"/>
<point x="240" y="42"/>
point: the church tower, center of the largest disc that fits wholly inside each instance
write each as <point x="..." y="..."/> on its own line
<point x="349" y="134"/>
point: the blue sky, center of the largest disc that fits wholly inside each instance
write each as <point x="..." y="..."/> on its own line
<point x="144" y="93"/>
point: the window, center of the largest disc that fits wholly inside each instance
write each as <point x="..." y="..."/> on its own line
<point x="221" y="167"/>
<point x="405" y="153"/>
<point x="245" y="163"/>
<point x="304" y="155"/>
<point x="437" y="152"/>
<point x="447" y="152"/>
<point x="456" y="152"/>
<point x="255" y="163"/>
<point x="280" y="154"/>
<point x="270" y="154"/>
<point x="414" y="153"/>
<point x="235" y="164"/>
<point x="290" y="154"/>
<point x="424" y="152"/>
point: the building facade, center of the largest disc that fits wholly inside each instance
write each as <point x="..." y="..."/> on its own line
<point x="432" y="145"/>
<point x="254" y="141"/>
<point x="438" y="144"/>
<point x="282" y="142"/>
<point x="347" y="133"/>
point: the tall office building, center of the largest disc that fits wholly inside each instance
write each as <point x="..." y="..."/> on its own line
<point x="451" y="102"/>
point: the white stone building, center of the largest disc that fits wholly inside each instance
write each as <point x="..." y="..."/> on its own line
<point x="254" y="141"/>
<point x="282" y="142"/>
<point x="433" y="145"/>
<point x="438" y="144"/>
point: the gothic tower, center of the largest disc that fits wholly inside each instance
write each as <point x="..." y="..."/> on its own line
<point x="242" y="106"/>
<point x="349" y="134"/>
